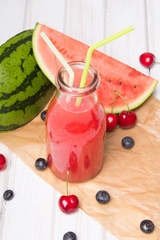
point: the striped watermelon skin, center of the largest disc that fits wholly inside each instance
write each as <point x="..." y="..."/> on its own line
<point x="24" y="89"/>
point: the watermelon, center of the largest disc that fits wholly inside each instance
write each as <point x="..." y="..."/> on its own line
<point x="24" y="89"/>
<point x="134" y="86"/>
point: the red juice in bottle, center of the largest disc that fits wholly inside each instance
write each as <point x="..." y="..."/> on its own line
<point x="76" y="129"/>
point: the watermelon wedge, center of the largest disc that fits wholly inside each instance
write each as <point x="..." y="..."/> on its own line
<point x="134" y="86"/>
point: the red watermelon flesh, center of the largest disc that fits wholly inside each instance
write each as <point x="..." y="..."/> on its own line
<point x="134" y="86"/>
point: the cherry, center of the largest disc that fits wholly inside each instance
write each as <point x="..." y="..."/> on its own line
<point x="111" y="121"/>
<point x="3" y="162"/>
<point x="127" y="119"/>
<point x="111" y="118"/>
<point x="68" y="203"/>
<point x="147" y="59"/>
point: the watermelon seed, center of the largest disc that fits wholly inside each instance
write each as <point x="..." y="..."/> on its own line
<point x="110" y="80"/>
<point x="120" y="83"/>
<point x="135" y="86"/>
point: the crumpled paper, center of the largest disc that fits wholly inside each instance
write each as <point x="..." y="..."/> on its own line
<point x="132" y="177"/>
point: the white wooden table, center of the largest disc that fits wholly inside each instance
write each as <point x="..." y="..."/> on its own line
<point x="33" y="213"/>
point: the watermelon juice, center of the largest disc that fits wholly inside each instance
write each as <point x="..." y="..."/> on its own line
<point x="75" y="133"/>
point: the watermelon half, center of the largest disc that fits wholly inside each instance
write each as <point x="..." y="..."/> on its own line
<point x="24" y="89"/>
<point x="134" y="86"/>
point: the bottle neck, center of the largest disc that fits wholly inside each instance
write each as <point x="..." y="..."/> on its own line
<point x="92" y="81"/>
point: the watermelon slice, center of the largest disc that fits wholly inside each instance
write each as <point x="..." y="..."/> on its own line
<point x="134" y="86"/>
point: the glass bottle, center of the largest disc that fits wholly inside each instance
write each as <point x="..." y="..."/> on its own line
<point x="75" y="126"/>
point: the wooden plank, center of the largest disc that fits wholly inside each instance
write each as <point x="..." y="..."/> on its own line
<point x="50" y="13"/>
<point x="153" y="21"/>
<point x="85" y="21"/>
<point x="12" y="18"/>
<point x="122" y="14"/>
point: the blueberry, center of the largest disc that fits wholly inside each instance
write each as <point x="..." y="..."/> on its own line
<point x="8" y="195"/>
<point x="69" y="236"/>
<point x="102" y="197"/>
<point x="127" y="142"/>
<point x="147" y="226"/>
<point x="43" y="115"/>
<point x="41" y="164"/>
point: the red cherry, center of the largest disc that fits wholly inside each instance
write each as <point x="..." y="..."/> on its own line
<point x="68" y="204"/>
<point x="147" y="59"/>
<point x="3" y="162"/>
<point x="127" y="119"/>
<point x="111" y="121"/>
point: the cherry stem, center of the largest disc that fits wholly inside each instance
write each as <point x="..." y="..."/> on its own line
<point x="67" y="182"/>
<point x="123" y="100"/>
<point x="114" y="101"/>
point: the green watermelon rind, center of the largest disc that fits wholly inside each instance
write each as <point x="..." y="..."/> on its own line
<point x="136" y="104"/>
<point x="38" y="58"/>
<point x="24" y="89"/>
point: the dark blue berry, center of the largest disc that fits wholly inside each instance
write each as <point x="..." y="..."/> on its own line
<point x="127" y="142"/>
<point x="41" y="164"/>
<point x="43" y="115"/>
<point x="69" y="236"/>
<point x="102" y="197"/>
<point x="147" y="226"/>
<point x="8" y="195"/>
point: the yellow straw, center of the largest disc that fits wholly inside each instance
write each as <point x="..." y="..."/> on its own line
<point x="59" y="56"/>
<point x="90" y="51"/>
<point x="97" y="45"/>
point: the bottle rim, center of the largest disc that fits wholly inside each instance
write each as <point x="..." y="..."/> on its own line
<point x="78" y="91"/>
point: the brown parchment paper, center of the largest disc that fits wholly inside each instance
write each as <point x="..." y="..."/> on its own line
<point x="132" y="177"/>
